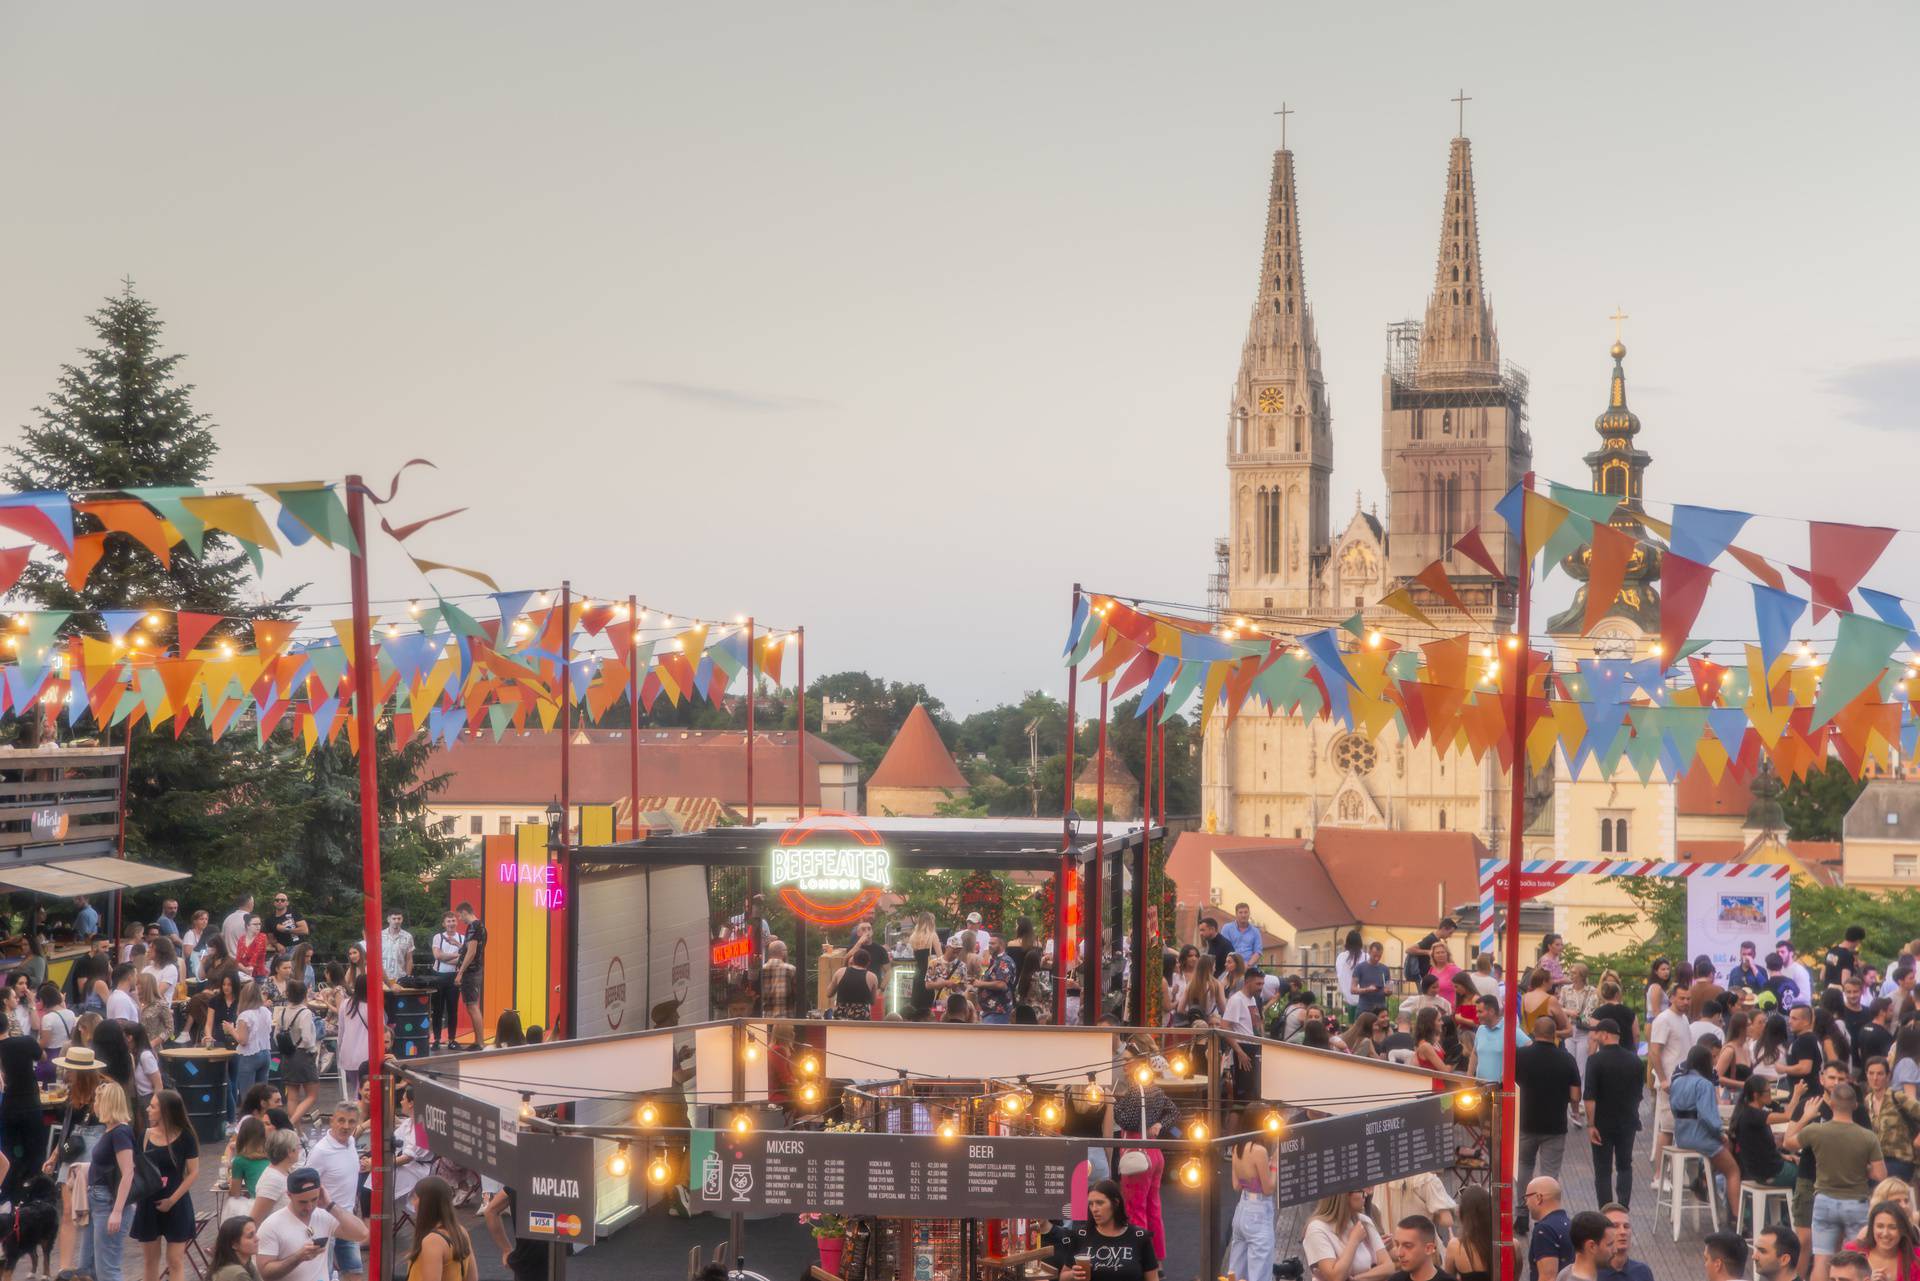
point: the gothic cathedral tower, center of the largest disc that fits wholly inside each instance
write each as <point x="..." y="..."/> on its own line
<point x="1454" y="436"/>
<point x="1279" y="436"/>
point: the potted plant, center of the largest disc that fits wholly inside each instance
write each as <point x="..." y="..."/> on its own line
<point x="830" y="1234"/>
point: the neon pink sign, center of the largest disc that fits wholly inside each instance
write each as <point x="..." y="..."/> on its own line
<point x="548" y="892"/>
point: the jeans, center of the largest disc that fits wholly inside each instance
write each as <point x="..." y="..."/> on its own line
<point x="1834" y="1221"/>
<point x="1250" y="1252"/>
<point x="248" y="1071"/>
<point x="1541" y="1150"/>
<point x="997" y="1018"/>
<point x="100" y="1250"/>
<point x="1099" y="1166"/>
<point x="441" y="1009"/>
<point x="1613" y="1166"/>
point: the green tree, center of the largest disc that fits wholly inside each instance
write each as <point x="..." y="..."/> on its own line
<point x="1655" y="926"/>
<point x="1817" y="803"/>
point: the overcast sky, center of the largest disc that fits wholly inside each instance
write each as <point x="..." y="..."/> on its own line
<point x="896" y="319"/>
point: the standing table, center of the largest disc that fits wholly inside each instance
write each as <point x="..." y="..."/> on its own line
<point x="201" y="1075"/>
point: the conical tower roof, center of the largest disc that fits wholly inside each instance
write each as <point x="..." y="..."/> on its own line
<point x="917" y="757"/>
<point x="1458" y="331"/>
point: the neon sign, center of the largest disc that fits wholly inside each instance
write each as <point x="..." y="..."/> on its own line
<point x="727" y="951"/>
<point x="548" y="892"/>
<point x="830" y="883"/>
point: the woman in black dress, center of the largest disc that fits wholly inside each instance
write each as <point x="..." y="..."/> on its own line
<point x="163" y="1223"/>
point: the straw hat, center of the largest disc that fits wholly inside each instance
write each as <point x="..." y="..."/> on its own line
<point x="78" y="1058"/>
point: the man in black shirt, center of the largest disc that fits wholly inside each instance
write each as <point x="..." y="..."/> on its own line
<point x="1215" y="944"/>
<point x="1803" y="1051"/>
<point x="1616" y="1078"/>
<point x="1420" y="955"/>
<point x="1844" y="958"/>
<point x="1548" y="1080"/>
<point x="1874" y="1037"/>
<point x="467" y="976"/>
<point x="288" y="926"/>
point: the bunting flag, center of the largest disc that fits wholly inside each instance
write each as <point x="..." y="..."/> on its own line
<point x="1860" y="655"/>
<point x="428" y="566"/>
<point x="1700" y="534"/>
<point x="1840" y="556"/>
<point x="1434" y="579"/>
<point x="1683" y="590"/>
<point x="13" y="563"/>
<point x="1775" y="612"/>
<point x="1606" y="573"/>
<point x="1401" y="600"/>
<point x="87" y="551"/>
<point x="42" y="515"/>
<point x="1474" y="548"/>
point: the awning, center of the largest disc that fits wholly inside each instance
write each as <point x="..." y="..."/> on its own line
<point x="70" y="877"/>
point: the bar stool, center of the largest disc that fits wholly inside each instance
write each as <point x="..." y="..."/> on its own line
<point x="1680" y="1164"/>
<point x="1756" y="1202"/>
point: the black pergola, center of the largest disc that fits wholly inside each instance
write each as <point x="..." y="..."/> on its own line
<point x="997" y="845"/>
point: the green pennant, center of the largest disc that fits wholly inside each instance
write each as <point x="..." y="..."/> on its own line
<point x="1609" y="758"/>
<point x="1860" y="653"/>
<point x="499" y="716"/>
<point x="1597" y="508"/>
<point x="1191" y="674"/>
<point x="1689" y="649"/>
<point x="166" y="501"/>
<point x="1356" y="624"/>
<point x="1094" y="626"/>
<point x="329" y="663"/>
<point x="43" y="625"/>
<point x="1683" y="728"/>
<point x="458" y="621"/>
<point x="1574" y="533"/>
<point x="319" y="508"/>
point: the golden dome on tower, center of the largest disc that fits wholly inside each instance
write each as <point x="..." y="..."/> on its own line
<point x="1618" y="350"/>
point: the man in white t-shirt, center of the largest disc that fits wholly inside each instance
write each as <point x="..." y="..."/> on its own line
<point x="234" y="928"/>
<point x="120" y="1002"/>
<point x="295" y="1238"/>
<point x="337" y="1160"/>
<point x="1668" y="1041"/>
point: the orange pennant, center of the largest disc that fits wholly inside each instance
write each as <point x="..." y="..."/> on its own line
<point x="87" y="551"/>
<point x="137" y="521"/>
<point x="270" y="635"/>
<point x="1606" y="573"/>
<point x="193" y="627"/>
<point x="1434" y="579"/>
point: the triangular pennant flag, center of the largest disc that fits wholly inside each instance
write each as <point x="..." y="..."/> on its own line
<point x="192" y="628"/>
<point x="170" y="501"/>
<point x="1860" y="654"/>
<point x="1355" y="625"/>
<point x="236" y="514"/>
<point x="46" y="516"/>
<point x="176" y="678"/>
<point x="1891" y="609"/>
<point x="317" y="508"/>
<point x="1189" y="676"/>
<point x="137" y="521"/>
<point x="511" y="605"/>
<point x="1434" y="579"/>
<point x="1574" y="532"/>
<point x="86" y="553"/>
<point x="404" y="532"/>
<point x="1701" y="533"/>
<point x="13" y="563"/>
<point x="270" y="635"/>
<point x="1683" y="589"/>
<point x="1082" y="608"/>
<point x="1511" y="507"/>
<point x="1598" y="508"/>
<point x="1606" y="573"/>
<point x="1474" y="548"/>
<point x="1401" y="601"/>
<point x="42" y="626"/>
<point x="1157" y="683"/>
<point x="1758" y="567"/>
<point x="1543" y="520"/>
<point x="426" y="566"/>
<point x="1842" y="554"/>
<point x="1775" y="612"/>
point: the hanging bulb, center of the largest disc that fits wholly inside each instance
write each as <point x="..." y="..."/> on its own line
<point x="526" y="1106"/>
<point x="1467" y="1101"/>
<point x="1198" y="1131"/>
<point x="809" y="1065"/>
<point x="752" y="1051"/>
<point x="1093" y="1091"/>
<point x="742" y="1123"/>
<point x="1049" y="1113"/>
<point x="153" y="620"/>
<point x="413" y="607"/>
<point x="1190" y="1173"/>
<point x="1374" y="639"/>
<point x="658" y="1173"/>
<point x="1143" y="1076"/>
<point x="810" y="1093"/>
<point x="1274" y="1123"/>
<point x="1180" y="1064"/>
<point x="649" y="1113"/>
<point x="948" y="1130"/>
<point x="619" y="1165"/>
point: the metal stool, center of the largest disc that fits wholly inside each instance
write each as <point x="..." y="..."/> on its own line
<point x="1680" y="1162"/>
<point x="1756" y="1206"/>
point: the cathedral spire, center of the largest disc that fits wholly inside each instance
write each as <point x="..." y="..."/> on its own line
<point x="1458" y="336"/>
<point x="1280" y="333"/>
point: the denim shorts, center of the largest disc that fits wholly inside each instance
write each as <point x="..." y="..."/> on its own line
<point x="346" y="1256"/>
<point x="1835" y="1221"/>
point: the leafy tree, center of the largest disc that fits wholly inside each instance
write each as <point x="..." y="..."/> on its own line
<point x="1656" y="926"/>
<point x="1817" y="803"/>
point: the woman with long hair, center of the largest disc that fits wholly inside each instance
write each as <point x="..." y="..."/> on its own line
<point x="1835" y="1045"/>
<point x="234" y="1246"/>
<point x="1182" y="979"/>
<point x="1735" y="1061"/>
<point x="246" y="1162"/>
<point x="293" y="1024"/>
<point x="507" y="1029"/>
<point x="1659" y="979"/>
<point x="1427" y="1050"/>
<point x="164" y="966"/>
<point x="146" y="1065"/>
<point x="354" y="1035"/>
<point x="251" y="955"/>
<point x="1890" y="1242"/>
<point x="252" y="1031"/>
<point x="1750" y="1131"/>
<point x="73" y="1143"/>
<point x="923" y="942"/>
<point x="1470" y="1253"/>
<point x="1359" y="1037"/>
<point x="1578" y="998"/>
<point x="109" y="1181"/>
<point x="356" y="966"/>
<point x="442" y="1250"/>
<point x="156" y="1011"/>
<point x="1342" y="1242"/>
<point x="1770" y="1050"/>
<point x="1105" y="1247"/>
<point x="1351" y="954"/>
<point x="115" y="1053"/>
<point x="1203" y="993"/>
<point x="1250" y="1250"/>
<point x="163" y="1223"/>
<point x="302" y="958"/>
<point x="1538" y="1001"/>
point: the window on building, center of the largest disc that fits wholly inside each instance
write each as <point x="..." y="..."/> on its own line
<point x="476" y="825"/>
<point x="1613" y="834"/>
<point x="1443" y="820"/>
<point x="1903" y="866"/>
<point x="447" y="824"/>
<point x="506" y="825"/>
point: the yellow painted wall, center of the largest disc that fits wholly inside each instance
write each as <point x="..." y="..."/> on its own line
<point x="1870" y="863"/>
<point x="530" y="931"/>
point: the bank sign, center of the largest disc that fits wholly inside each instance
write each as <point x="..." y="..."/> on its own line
<point x="830" y="872"/>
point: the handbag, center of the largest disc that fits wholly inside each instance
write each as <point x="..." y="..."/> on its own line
<point x="147" y="1183"/>
<point x="1133" y="1161"/>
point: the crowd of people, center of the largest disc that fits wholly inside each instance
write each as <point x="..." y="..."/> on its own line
<point x="124" y="1154"/>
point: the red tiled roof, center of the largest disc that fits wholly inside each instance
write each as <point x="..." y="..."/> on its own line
<point x="1710" y="851"/>
<point x="1290" y="880"/>
<point x="1401" y="878"/>
<point x="1698" y="794"/>
<point x="917" y="757"/>
<point x="1811" y="852"/>
<point x="1190" y="863"/>
<point x="523" y="768"/>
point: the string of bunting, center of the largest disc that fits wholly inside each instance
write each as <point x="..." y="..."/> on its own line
<point x="1669" y="711"/>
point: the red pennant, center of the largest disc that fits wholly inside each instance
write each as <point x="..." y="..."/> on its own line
<point x="1434" y="579"/>
<point x="35" y="524"/>
<point x="192" y="627"/>
<point x="621" y="634"/>
<point x="1683" y="589"/>
<point x="1136" y="674"/>
<point x="650" y="690"/>
<point x="1843" y="554"/>
<point x="13" y="562"/>
<point x="595" y="618"/>
<point x="1474" y="548"/>
<point x="270" y="716"/>
<point x="1606" y="573"/>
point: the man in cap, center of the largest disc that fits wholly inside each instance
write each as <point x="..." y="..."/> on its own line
<point x="296" y="1238"/>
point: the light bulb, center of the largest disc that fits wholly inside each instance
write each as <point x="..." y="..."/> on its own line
<point x="526" y="1107"/>
<point x="1513" y="642"/>
<point x="1198" y="1131"/>
<point x="1274" y="1123"/>
<point x="809" y="1065"/>
<point x="1374" y="639"/>
<point x="649" y="1114"/>
<point x="1180" y="1065"/>
<point x="1190" y="1173"/>
<point x="949" y="1130"/>
<point x="1050" y="1112"/>
<point x="658" y="1173"/>
<point x="1467" y="1101"/>
<point x="1093" y="1092"/>
<point x="1143" y="1075"/>
<point x="753" y="1051"/>
<point x="153" y="620"/>
<point x="618" y="1165"/>
<point x="742" y="1123"/>
<point x="809" y="1093"/>
<point x="413" y="607"/>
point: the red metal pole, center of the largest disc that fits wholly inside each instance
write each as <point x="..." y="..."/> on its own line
<point x="1510" y="999"/>
<point x="1093" y="989"/>
<point x="633" y="714"/>
<point x="1160" y="757"/>
<point x="751" y="703"/>
<point x="369" y="763"/>
<point x="559" y="924"/>
<point x="1064" y="877"/>
<point x="1141" y="970"/>
<point x="800" y="718"/>
<point x="751" y="917"/>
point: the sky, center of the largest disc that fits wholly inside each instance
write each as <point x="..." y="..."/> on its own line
<point x="896" y="320"/>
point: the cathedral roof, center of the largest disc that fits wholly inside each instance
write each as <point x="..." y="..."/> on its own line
<point x="917" y="757"/>
<point x="1281" y="342"/>
<point x="1459" y="329"/>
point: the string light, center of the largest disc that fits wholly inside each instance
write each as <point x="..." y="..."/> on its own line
<point x="752" y="1051"/>
<point x="742" y="1123"/>
<point x="1374" y="639"/>
<point x="1198" y="1131"/>
<point x="1274" y="1123"/>
<point x="619" y="1165"/>
<point x="526" y="1106"/>
<point x="809" y="1065"/>
<point x="153" y="620"/>
<point x="1143" y="1076"/>
<point x="948" y="1130"/>
<point x="649" y="1113"/>
<point x="1049" y="1112"/>
<point x="1180" y="1064"/>
<point x="1093" y="1089"/>
<point x="1190" y="1173"/>
<point x="809" y="1093"/>
<point x="659" y="1172"/>
<point x="413" y="607"/>
<point x="1467" y="1101"/>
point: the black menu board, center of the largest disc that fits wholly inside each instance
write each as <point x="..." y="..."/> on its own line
<point x="898" y="1176"/>
<point x="552" y="1176"/>
<point x="1342" y="1153"/>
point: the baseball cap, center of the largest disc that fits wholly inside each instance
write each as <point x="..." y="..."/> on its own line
<point x="973" y="918"/>
<point x="304" y="1179"/>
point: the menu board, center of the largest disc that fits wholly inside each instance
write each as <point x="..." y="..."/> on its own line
<point x="1342" y="1153"/>
<point x="901" y="1176"/>
<point x="552" y="1176"/>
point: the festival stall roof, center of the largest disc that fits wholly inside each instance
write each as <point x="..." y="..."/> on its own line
<point x="67" y="878"/>
<point x="992" y="844"/>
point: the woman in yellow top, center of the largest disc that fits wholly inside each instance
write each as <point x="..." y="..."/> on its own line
<point x="1538" y="1001"/>
<point x="442" y="1250"/>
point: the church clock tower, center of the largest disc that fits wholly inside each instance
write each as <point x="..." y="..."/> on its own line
<point x="1279" y="437"/>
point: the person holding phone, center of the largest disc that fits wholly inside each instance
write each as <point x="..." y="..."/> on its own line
<point x="295" y="1239"/>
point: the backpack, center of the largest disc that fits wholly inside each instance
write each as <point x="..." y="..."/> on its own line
<point x="283" y="1040"/>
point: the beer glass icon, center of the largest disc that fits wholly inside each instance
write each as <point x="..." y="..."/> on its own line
<point x="741" y="1180"/>
<point x="710" y="1171"/>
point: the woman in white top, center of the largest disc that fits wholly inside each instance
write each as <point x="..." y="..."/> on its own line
<point x="411" y="1161"/>
<point x="165" y="968"/>
<point x="1342" y="1244"/>
<point x="1343" y="974"/>
<point x="56" y="1020"/>
<point x="352" y="1011"/>
<point x="270" y="1192"/>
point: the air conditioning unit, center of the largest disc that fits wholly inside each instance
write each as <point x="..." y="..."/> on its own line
<point x="1213" y="895"/>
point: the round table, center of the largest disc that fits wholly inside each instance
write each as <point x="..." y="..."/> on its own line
<point x="200" y="1075"/>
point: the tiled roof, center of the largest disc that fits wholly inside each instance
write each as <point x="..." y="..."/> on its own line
<point x="1698" y="794"/>
<point x="917" y="757"/>
<point x="523" y="768"/>
<point x="1291" y="881"/>
<point x="1887" y="810"/>
<point x="1379" y="878"/>
<point x="1118" y="775"/>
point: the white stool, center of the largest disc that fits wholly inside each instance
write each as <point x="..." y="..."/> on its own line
<point x="1680" y="1162"/>
<point x="1756" y="1202"/>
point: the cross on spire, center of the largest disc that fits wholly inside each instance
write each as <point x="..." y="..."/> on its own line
<point x="1617" y="318"/>
<point x="1283" y="113"/>
<point x="1461" y="101"/>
